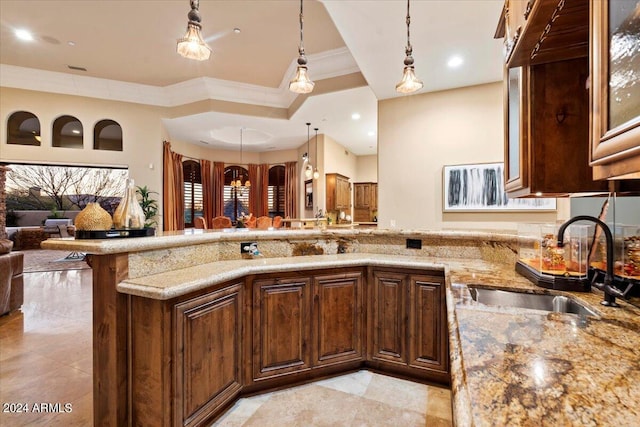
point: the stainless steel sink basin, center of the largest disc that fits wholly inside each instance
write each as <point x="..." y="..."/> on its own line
<point x="557" y="303"/>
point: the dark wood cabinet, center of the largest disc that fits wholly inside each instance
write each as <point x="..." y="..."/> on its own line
<point x="615" y="125"/>
<point x="209" y="352"/>
<point x="362" y="195"/>
<point x="338" y="190"/>
<point x="388" y="317"/>
<point x="408" y="322"/>
<point x="337" y="325"/>
<point x="281" y="326"/>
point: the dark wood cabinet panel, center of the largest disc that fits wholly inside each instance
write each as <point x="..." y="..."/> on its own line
<point x="365" y="201"/>
<point x="388" y="317"/>
<point x="337" y="318"/>
<point x="281" y="326"/>
<point x="209" y="356"/>
<point x="427" y="328"/>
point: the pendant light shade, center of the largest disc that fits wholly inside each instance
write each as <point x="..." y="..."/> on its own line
<point x="192" y="45"/>
<point x="409" y="83"/>
<point x="316" y="173"/>
<point x="301" y="83"/>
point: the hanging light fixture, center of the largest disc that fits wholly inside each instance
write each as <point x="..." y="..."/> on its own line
<point x="409" y="82"/>
<point x="192" y="45"/>
<point x="301" y="83"/>
<point x="308" y="171"/>
<point x="316" y="174"/>
<point x="237" y="183"/>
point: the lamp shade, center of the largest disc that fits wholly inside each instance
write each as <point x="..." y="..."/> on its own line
<point x="192" y="46"/>
<point x="308" y="172"/>
<point x="409" y="83"/>
<point x="301" y="82"/>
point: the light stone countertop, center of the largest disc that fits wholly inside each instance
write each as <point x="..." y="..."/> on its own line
<point x="509" y="366"/>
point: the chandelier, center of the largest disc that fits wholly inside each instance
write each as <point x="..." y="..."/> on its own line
<point x="409" y="83"/>
<point x="301" y="83"/>
<point x="192" y="45"/>
<point x="236" y="184"/>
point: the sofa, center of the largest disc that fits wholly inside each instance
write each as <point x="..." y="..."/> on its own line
<point x="11" y="280"/>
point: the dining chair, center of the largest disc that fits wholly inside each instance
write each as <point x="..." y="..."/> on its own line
<point x="264" y="222"/>
<point x="221" y="222"/>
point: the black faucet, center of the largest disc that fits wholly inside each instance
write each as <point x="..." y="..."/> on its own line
<point x="610" y="293"/>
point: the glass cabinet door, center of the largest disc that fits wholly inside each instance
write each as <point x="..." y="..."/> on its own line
<point x="516" y="128"/>
<point x="615" y="87"/>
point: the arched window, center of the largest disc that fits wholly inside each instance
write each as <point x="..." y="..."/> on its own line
<point x="23" y="128"/>
<point x="107" y="135"/>
<point x="236" y="202"/>
<point x="193" y="205"/>
<point x="276" y="191"/>
<point x="67" y="132"/>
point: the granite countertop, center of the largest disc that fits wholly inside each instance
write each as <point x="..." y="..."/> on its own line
<point x="509" y="366"/>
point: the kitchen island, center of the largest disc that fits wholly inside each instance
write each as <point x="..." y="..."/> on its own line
<point x="156" y="301"/>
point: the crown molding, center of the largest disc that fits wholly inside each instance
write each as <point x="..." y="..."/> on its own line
<point x="327" y="64"/>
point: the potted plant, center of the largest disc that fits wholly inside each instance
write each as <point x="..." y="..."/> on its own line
<point x="149" y="205"/>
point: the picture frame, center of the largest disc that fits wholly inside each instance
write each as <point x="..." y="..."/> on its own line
<point x="480" y="187"/>
<point x="308" y="194"/>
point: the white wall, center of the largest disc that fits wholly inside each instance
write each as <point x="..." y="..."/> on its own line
<point x="366" y="169"/>
<point x="420" y="134"/>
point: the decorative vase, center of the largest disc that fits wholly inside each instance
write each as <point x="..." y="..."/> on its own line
<point x="129" y="213"/>
<point x="93" y="217"/>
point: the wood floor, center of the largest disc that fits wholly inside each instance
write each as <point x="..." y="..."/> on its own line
<point x="46" y="372"/>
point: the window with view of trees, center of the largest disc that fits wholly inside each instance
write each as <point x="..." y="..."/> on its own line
<point x="276" y="191"/>
<point x="23" y="128"/>
<point x="193" y="205"/>
<point x="236" y="202"/>
<point x="67" y="132"/>
<point x="107" y="135"/>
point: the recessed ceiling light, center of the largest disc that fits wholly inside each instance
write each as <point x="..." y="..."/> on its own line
<point x="71" y="43"/>
<point x="76" y="131"/>
<point x="237" y="30"/>
<point x="371" y="133"/>
<point x="455" y="61"/>
<point x="24" y="35"/>
<point x="355" y="116"/>
<point x="538" y="194"/>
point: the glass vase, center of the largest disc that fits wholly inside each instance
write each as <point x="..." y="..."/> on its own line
<point x="129" y="213"/>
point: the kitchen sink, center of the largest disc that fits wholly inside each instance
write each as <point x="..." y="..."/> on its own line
<point x="557" y="303"/>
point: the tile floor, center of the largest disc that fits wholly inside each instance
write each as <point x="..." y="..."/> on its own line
<point x="46" y="358"/>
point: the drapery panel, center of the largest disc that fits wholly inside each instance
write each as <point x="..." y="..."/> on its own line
<point x="172" y="189"/>
<point x="206" y="172"/>
<point x="291" y="190"/>
<point x="263" y="181"/>
<point x="254" y="193"/>
<point x="218" y="189"/>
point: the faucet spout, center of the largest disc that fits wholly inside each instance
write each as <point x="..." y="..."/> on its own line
<point x="610" y="292"/>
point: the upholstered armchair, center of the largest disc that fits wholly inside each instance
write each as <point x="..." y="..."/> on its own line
<point x="11" y="280"/>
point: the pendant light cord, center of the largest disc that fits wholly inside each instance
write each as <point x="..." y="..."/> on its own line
<point x="301" y="48"/>
<point x="409" y="48"/>
<point x="308" y="150"/>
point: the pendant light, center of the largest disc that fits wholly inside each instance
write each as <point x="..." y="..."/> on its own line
<point x="316" y="174"/>
<point x="409" y="82"/>
<point x="308" y="171"/>
<point x="192" y="45"/>
<point x="301" y="83"/>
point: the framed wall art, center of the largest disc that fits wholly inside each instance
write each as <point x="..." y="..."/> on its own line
<point x="480" y="188"/>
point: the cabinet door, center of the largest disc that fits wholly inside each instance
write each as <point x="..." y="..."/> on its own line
<point x="516" y="161"/>
<point x="374" y="196"/>
<point x="615" y="108"/>
<point x="337" y="318"/>
<point x="362" y="196"/>
<point x="209" y="357"/>
<point x="388" y="317"/>
<point x="343" y="193"/>
<point x="428" y="347"/>
<point x="281" y="326"/>
<point x="331" y="192"/>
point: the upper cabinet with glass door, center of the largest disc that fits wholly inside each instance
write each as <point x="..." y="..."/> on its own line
<point x="615" y="89"/>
